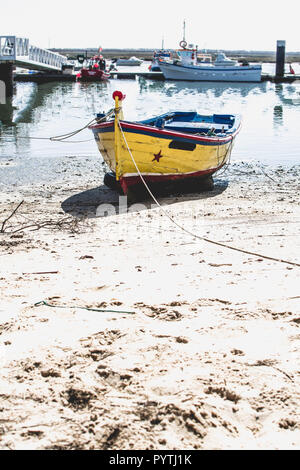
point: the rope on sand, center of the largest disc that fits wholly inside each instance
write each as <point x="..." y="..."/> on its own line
<point x="43" y="302"/>
<point x="224" y="245"/>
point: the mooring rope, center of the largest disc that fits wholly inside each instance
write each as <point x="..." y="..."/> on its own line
<point x="61" y="141"/>
<point x="91" y="309"/>
<point x="208" y="240"/>
<point x="63" y="137"/>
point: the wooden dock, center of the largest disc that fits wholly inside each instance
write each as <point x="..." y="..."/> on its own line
<point x="288" y="78"/>
<point x="133" y="75"/>
<point x="48" y="77"/>
<point x="44" y="77"/>
<point x="60" y="77"/>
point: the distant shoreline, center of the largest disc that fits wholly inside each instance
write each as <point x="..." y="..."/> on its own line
<point x="147" y="54"/>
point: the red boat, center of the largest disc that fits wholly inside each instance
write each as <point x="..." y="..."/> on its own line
<point x="95" y="71"/>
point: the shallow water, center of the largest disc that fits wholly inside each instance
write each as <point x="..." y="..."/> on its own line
<point x="270" y="132"/>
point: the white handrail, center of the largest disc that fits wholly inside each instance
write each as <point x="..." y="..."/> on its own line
<point x="20" y="50"/>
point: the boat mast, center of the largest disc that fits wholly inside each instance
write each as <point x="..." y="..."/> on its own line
<point x="183" y="30"/>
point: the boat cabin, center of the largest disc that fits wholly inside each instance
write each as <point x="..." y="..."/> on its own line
<point x="188" y="56"/>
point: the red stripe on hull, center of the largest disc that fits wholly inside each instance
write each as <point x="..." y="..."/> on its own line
<point x="128" y="181"/>
<point x="161" y="132"/>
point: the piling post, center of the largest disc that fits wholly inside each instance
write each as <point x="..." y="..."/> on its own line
<point x="6" y="76"/>
<point x="280" y="59"/>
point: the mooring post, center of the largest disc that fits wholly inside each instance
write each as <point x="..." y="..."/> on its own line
<point x="280" y="59"/>
<point x="6" y="76"/>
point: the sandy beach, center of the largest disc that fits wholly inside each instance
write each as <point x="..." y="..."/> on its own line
<point x="197" y="346"/>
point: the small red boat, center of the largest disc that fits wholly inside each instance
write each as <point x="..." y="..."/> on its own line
<point x="95" y="70"/>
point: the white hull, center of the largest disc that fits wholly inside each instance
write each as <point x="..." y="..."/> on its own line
<point x="129" y="61"/>
<point x="251" y="73"/>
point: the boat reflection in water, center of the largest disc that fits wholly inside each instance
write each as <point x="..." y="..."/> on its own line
<point x="216" y="88"/>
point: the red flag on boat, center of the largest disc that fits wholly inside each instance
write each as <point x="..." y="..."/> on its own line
<point x="100" y="49"/>
<point x="292" y="70"/>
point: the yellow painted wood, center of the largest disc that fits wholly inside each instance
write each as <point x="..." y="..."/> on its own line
<point x="144" y="148"/>
<point x="174" y="161"/>
<point x="106" y="146"/>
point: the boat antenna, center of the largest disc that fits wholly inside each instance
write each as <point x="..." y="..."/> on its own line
<point x="183" y="30"/>
<point x="162" y="43"/>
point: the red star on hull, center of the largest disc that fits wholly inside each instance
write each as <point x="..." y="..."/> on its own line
<point x="157" y="156"/>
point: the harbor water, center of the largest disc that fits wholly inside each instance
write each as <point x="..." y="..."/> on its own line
<point x="269" y="136"/>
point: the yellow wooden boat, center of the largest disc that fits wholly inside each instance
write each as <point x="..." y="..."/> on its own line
<point x="176" y="145"/>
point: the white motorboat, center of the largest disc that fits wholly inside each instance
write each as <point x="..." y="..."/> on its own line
<point x="221" y="59"/>
<point x="131" y="61"/>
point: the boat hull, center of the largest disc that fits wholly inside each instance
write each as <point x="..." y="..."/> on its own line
<point x="128" y="62"/>
<point x="86" y="75"/>
<point x="160" y="155"/>
<point x="251" y="73"/>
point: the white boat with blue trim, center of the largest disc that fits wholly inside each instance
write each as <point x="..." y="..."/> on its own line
<point x="187" y="67"/>
<point x="132" y="61"/>
<point x="159" y="55"/>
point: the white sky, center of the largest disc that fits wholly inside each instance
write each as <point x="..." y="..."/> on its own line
<point x="212" y="24"/>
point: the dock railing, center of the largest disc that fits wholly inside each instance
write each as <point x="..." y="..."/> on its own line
<point x="21" y="52"/>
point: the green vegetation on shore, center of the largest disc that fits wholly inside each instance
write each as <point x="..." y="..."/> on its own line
<point x="147" y="54"/>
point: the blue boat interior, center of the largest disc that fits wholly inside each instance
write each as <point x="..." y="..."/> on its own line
<point x="194" y="123"/>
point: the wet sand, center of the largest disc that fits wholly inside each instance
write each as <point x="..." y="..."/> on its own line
<point x="207" y="355"/>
